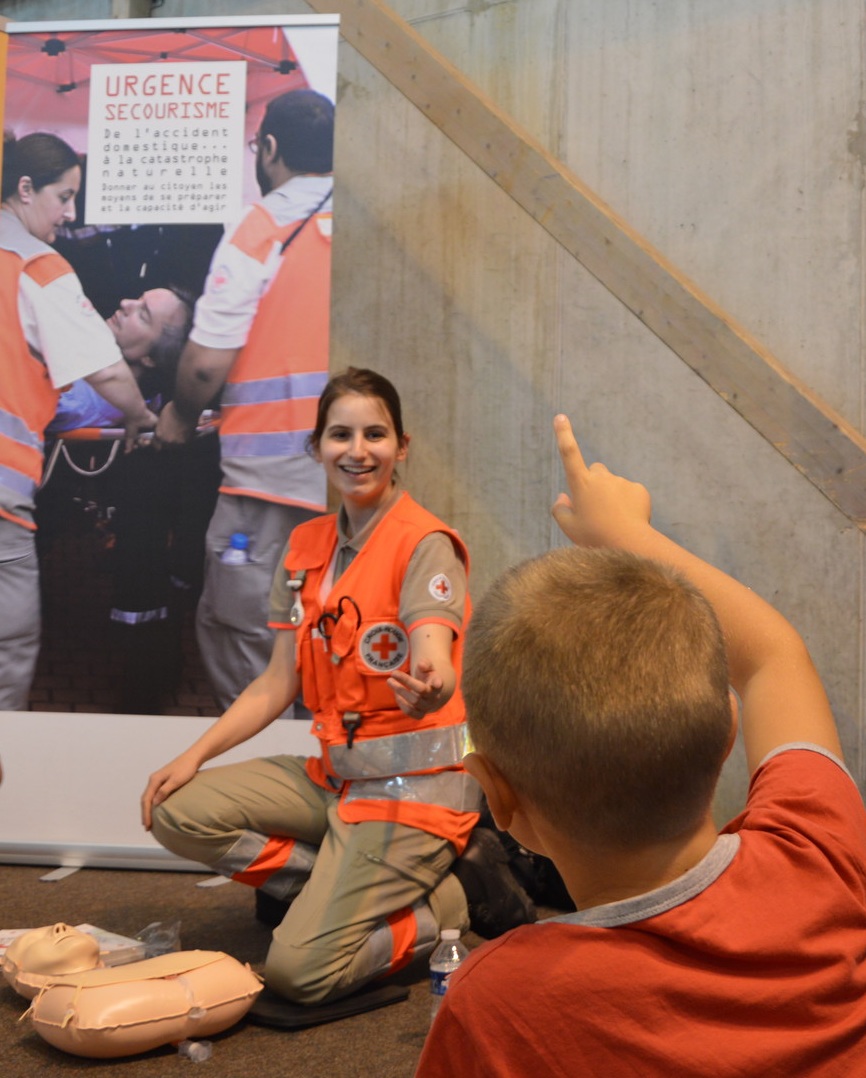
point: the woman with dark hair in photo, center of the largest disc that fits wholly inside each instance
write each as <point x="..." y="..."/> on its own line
<point x="51" y="336"/>
<point x="369" y="605"/>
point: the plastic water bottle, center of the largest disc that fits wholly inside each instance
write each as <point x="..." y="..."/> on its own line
<point x="447" y="957"/>
<point x="195" y="1051"/>
<point x="237" y="552"/>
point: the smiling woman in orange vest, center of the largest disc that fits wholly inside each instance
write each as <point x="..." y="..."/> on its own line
<point x="51" y="336"/>
<point x="369" y="605"/>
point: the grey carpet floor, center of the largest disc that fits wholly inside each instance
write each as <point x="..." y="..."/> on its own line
<point x="384" y="1043"/>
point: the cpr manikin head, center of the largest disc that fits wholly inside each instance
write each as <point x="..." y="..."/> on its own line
<point x="49" y="951"/>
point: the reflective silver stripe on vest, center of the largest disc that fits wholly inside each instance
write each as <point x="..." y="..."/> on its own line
<point x="417" y="750"/>
<point x="17" y="482"/>
<point x="14" y="427"/>
<point x="449" y="789"/>
<point x="279" y="388"/>
<point x="285" y="443"/>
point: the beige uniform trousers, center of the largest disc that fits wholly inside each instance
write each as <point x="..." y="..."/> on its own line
<point x="21" y="623"/>
<point x="367" y="897"/>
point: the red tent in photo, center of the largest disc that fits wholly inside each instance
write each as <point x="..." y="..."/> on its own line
<point x="48" y="73"/>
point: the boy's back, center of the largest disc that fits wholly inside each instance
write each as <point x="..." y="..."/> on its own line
<point x="742" y="954"/>
<point x="751" y="964"/>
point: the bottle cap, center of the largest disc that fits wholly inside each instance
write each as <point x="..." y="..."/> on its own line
<point x="450" y="934"/>
<point x="239" y="541"/>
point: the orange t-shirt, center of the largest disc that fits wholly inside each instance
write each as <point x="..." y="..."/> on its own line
<point x="753" y="963"/>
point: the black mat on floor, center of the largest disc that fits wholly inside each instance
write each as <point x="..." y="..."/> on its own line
<point x="272" y="1010"/>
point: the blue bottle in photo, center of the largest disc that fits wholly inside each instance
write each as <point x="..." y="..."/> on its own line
<point x="237" y="552"/>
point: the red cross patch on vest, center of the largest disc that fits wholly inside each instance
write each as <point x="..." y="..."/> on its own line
<point x="384" y="646"/>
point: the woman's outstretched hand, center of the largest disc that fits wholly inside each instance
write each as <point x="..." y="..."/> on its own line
<point x="418" y="693"/>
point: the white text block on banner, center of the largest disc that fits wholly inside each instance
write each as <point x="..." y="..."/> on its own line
<point x="165" y="143"/>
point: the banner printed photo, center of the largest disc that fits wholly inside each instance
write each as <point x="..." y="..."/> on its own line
<point x="163" y="115"/>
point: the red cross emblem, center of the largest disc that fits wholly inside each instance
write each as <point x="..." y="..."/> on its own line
<point x="440" y="587"/>
<point x="219" y="279"/>
<point x="384" y="647"/>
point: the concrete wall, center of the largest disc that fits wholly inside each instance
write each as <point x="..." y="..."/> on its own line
<point x="731" y="135"/>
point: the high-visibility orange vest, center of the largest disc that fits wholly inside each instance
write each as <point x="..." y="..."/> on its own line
<point x="270" y="397"/>
<point x="28" y="400"/>
<point x="387" y="765"/>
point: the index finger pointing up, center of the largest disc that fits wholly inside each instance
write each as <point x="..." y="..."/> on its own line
<point x="569" y="450"/>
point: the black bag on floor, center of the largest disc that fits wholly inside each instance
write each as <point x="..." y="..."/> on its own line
<point x="537" y="875"/>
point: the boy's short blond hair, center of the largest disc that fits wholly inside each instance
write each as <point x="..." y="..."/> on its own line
<point x="596" y="681"/>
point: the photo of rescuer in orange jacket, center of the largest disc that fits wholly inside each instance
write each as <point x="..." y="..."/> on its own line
<point x="260" y="339"/>
<point x="52" y="336"/>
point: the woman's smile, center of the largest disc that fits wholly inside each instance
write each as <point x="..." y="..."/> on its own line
<point x="359" y="449"/>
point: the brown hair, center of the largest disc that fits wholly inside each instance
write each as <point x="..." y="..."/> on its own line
<point x="365" y="383"/>
<point x="41" y="156"/>
<point x="597" y="683"/>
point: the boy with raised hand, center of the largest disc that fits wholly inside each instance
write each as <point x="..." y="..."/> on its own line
<point x="596" y="683"/>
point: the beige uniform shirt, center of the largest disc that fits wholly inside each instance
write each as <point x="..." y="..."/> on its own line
<point x="435" y="554"/>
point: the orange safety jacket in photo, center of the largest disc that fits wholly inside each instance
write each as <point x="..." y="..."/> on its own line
<point x="269" y="400"/>
<point x="28" y="400"/>
<point x="387" y="765"/>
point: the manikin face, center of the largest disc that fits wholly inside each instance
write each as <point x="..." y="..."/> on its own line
<point x="52" y="206"/>
<point x="359" y="449"/>
<point x="138" y="324"/>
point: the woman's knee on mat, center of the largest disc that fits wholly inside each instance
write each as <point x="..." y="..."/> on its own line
<point x="307" y="975"/>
